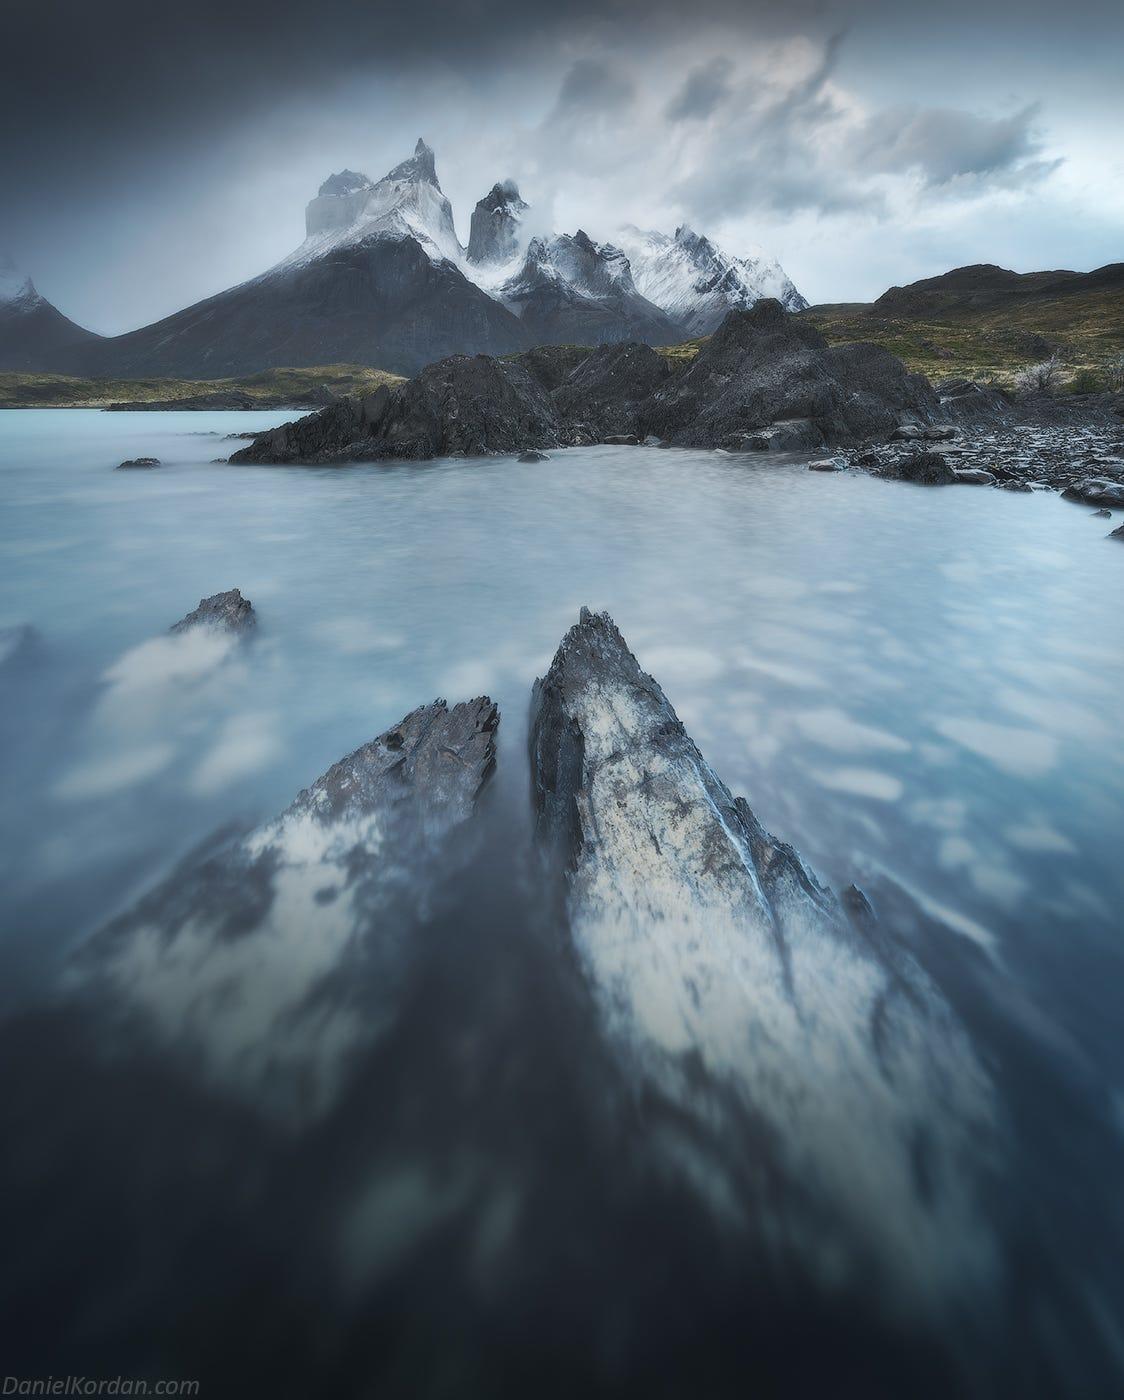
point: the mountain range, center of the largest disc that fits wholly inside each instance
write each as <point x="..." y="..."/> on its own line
<point x="382" y="279"/>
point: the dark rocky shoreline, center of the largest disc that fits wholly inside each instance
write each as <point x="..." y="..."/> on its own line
<point x="765" y="381"/>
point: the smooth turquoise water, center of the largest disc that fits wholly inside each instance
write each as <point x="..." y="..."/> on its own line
<point x="920" y="684"/>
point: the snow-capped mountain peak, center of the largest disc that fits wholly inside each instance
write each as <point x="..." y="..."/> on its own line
<point x="406" y="203"/>
<point x="696" y="283"/>
<point x="421" y="166"/>
<point x="16" y="288"/>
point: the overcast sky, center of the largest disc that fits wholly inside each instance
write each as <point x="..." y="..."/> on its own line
<point x="152" y="156"/>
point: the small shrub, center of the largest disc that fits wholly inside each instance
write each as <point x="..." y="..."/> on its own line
<point x="1039" y="379"/>
<point x="1086" y="381"/>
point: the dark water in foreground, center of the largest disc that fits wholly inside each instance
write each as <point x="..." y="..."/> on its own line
<point x="919" y="689"/>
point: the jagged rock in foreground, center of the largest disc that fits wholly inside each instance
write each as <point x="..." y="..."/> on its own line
<point x="733" y="987"/>
<point x="242" y="956"/>
<point x="765" y="372"/>
<point x="228" y="612"/>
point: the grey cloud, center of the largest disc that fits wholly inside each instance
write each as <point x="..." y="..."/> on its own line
<point x="704" y="89"/>
<point x="943" y="145"/>
<point x="591" y="87"/>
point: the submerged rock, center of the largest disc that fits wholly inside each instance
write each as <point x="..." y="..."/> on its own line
<point x="138" y="463"/>
<point x="533" y="457"/>
<point x="733" y="988"/>
<point x="228" y="611"/>
<point x="1117" y="534"/>
<point x="234" y="956"/>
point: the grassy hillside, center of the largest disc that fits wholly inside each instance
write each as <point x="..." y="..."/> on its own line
<point x="271" y="388"/>
<point x="986" y="323"/>
<point x="991" y="327"/>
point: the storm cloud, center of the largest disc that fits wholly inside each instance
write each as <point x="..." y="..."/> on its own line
<point x="153" y="159"/>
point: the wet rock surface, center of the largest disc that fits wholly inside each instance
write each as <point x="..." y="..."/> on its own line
<point x="723" y="971"/>
<point x="229" y="612"/>
<point x="1082" y="456"/>
<point x="358" y="856"/>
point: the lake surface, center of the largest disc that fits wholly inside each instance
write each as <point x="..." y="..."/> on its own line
<point x="920" y="689"/>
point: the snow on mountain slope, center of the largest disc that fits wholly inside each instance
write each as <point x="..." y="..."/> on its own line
<point x="696" y="283"/>
<point x="570" y="289"/>
<point x="15" y="286"/>
<point x="407" y="202"/>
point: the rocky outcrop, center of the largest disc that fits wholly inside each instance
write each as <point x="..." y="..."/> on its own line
<point x="728" y="980"/>
<point x="138" y="464"/>
<point x="607" y="391"/>
<point x="462" y="406"/>
<point x="494" y="232"/>
<point x="227" y="612"/>
<point x="232" y="955"/>
<point x="763" y="368"/>
<point x="766" y="380"/>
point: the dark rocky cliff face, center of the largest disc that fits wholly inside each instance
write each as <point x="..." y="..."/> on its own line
<point x="495" y="224"/>
<point x="381" y="302"/>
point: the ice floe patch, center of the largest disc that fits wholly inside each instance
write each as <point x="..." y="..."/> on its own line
<point x="862" y="782"/>
<point x="114" y="772"/>
<point x="1022" y="753"/>
<point x="832" y="728"/>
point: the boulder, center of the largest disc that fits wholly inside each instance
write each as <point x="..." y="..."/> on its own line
<point x="1104" y="514"/>
<point x="1096" y="491"/>
<point x="138" y="463"/>
<point x="228" y="612"/>
<point x="923" y="468"/>
<point x="533" y="457"/>
<point x="829" y="465"/>
<point x="1118" y="533"/>
<point x="238" y="956"/>
<point x="974" y="476"/>
<point x="745" y="1006"/>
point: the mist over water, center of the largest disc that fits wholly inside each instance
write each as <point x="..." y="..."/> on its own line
<point x="918" y="689"/>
